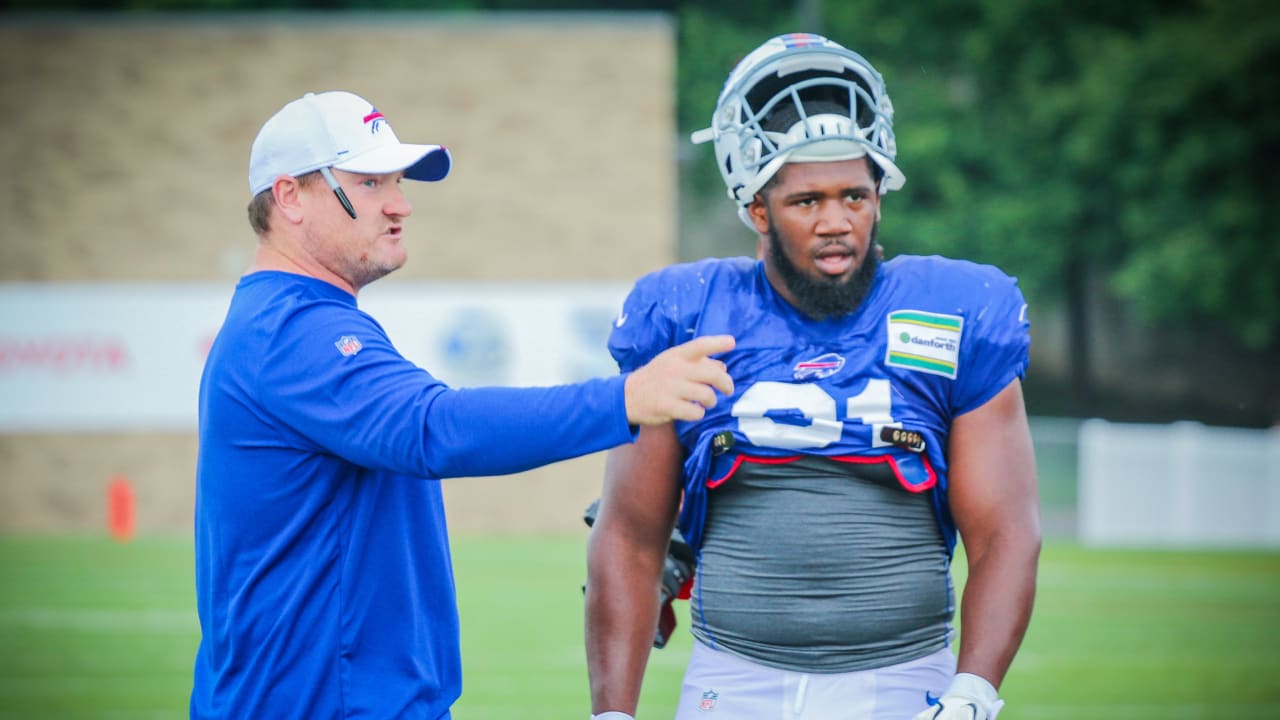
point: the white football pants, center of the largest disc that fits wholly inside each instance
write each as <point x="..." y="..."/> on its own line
<point x="718" y="684"/>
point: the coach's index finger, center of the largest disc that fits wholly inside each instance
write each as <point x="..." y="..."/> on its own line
<point x="706" y="345"/>
<point x="701" y="348"/>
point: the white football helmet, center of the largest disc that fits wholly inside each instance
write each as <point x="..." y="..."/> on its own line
<point x="799" y="98"/>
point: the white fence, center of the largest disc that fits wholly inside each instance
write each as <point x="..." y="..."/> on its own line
<point x="1178" y="485"/>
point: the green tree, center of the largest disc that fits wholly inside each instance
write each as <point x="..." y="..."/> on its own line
<point x="1078" y="145"/>
<point x="1133" y="145"/>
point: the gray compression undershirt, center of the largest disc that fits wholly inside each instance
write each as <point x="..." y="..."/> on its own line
<point x="821" y="566"/>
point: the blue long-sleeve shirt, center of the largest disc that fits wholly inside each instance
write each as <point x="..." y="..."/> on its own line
<point x="323" y="579"/>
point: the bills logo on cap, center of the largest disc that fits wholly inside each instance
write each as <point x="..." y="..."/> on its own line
<point x="818" y="368"/>
<point x="348" y="345"/>
<point x="375" y="121"/>
<point x="708" y="702"/>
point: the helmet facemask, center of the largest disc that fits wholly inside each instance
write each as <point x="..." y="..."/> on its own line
<point x="800" y="98"/>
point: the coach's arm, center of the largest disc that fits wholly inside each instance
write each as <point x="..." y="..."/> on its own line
<point x="626" y="552"/>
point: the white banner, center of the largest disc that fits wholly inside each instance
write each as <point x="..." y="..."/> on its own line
<point x="122" y="357"/>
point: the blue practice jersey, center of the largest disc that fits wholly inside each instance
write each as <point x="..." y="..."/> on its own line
<point x="323" y="580"/>
<point x="934" y="339"/>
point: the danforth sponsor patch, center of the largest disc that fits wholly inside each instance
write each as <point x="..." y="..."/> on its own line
<point x="928" y="342"/>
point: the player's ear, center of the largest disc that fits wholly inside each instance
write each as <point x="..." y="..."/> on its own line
<point x="758" y="211"/>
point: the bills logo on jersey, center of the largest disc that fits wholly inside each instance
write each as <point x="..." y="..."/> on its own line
<point x="820" y="367"/>
<point x="924" y="341"/>
<point x="708" y="701"/>
<point x="348" y="345"/>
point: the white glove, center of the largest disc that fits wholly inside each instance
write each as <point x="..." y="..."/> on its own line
<point x="612" y="715"/>
<point x="968" y="697"/>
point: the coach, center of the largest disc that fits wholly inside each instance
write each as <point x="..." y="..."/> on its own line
<point x="323" y="579"/>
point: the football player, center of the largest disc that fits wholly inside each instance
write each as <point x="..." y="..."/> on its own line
<point x="877" y="418"/>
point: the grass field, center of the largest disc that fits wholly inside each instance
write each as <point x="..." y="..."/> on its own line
<point x="94" y="629"/>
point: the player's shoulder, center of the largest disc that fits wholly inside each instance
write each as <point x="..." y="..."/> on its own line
<point x="699" y="272"/>
<point x="950" y="278"/>
<point x="688" y="283"/>
<point x="945" y="268"/>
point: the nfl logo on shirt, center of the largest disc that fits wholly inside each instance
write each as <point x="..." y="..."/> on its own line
<point x="708" y="702"/>
<point x="348" y="345"/>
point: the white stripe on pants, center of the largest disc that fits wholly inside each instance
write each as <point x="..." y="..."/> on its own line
<point x="719" y="684"/>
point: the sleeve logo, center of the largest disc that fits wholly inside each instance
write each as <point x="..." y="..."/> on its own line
<point x="923" y="341"/>
<point x="348" y="345"/>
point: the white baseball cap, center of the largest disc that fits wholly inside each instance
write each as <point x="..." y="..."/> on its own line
<point x="338" y="130"/>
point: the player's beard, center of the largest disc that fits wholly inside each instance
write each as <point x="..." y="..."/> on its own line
<point x="824" y="297"/>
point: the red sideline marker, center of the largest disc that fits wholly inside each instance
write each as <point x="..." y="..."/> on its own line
<point x="120" y="508"/>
